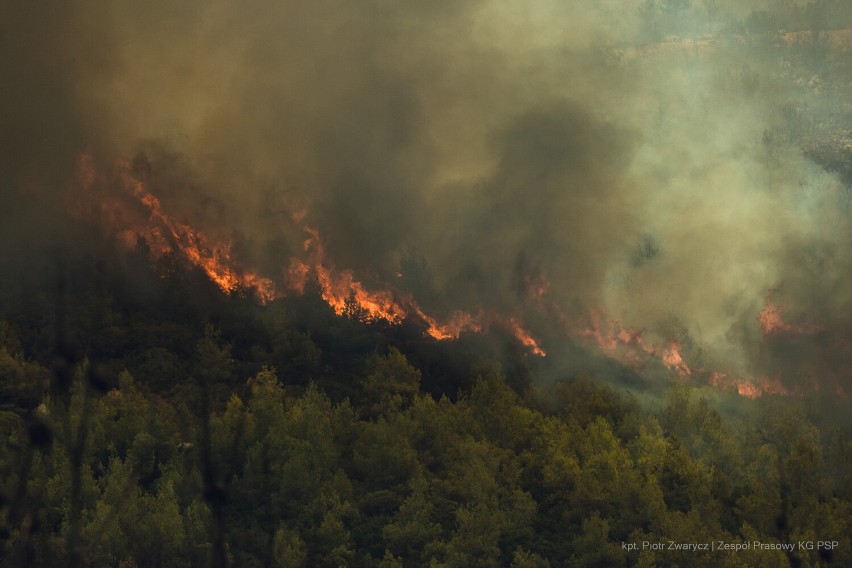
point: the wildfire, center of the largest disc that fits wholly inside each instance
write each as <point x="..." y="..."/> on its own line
<point x="133" y="212"/>
<point x="460" y="321"/>
<point x="747" y="388"/>
<point x="164" y="234"/>
<point x="631" y="348"/>
<point x="610" y="337"/>
<point x="525" y="338"/>
<point x="772" y="321"/>
<point x="342" y="291"/>
<point x="672" y="359"/>
<point x="123" y="202"/>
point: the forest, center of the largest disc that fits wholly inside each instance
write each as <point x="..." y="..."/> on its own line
<point x="480" y="283"/>
<point x="148" y="419"/>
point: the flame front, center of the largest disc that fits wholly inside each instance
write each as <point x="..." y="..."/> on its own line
<point x="748" y="388"/>
<point x="614" y="335"/>
<point x="460" y="321"/>
<point x="125" y="204"/>
<point x="112" y="199"/>
<point x="672" y="359"/>
<point x="772" y="321"/>
<point x="341" y="290"/>
<point x="162" y="233"/>
<point x="525" y="338"/>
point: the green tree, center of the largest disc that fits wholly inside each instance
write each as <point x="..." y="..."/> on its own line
<point x="593" y="548"/>
<point x="391" y="383"/>
<point x="413" y="529"/>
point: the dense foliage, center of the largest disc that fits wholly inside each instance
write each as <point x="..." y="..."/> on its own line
<point x="188" y="428"/>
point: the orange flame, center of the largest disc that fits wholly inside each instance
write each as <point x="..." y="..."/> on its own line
<point x="772" y="321"/>
<point x="672" y="359"/>
<point x="748" y="388"/>
<point x="117" y="200"/>
<point x="610" y="337"/>
<point x="123" y="203"/>
<point x="164" y="234"/>
<point x="460" y="321"/>
<point x="339" y="288"/>
<point x="525" y="338"/>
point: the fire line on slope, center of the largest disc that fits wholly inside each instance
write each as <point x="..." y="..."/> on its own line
<point x="134" y="213"/>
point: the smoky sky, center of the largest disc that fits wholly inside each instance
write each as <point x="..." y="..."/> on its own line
<point x="496" y="143"/>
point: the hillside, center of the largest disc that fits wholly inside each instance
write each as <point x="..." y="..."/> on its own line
<point x="225" y="432"/>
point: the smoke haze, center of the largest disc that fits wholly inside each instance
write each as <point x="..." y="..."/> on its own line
<point x="478" y="149"/>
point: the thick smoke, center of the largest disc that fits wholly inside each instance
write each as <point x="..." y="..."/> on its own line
<point x="477" y="148"/>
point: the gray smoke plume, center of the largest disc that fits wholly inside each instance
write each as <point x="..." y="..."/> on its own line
<point x="645" y="159"/>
